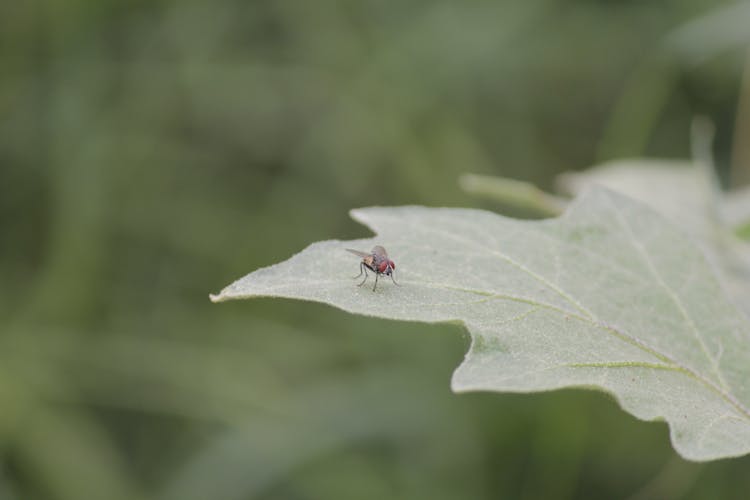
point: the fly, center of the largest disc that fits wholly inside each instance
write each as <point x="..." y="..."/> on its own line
<point x="376" y="261"/>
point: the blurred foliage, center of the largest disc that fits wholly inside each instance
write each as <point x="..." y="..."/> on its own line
<point x="152" y="151"/>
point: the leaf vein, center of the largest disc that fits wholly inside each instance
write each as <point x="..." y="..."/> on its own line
<point x="638" y="246"/>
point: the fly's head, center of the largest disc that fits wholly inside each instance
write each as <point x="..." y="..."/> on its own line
<point x="387" y="267"/>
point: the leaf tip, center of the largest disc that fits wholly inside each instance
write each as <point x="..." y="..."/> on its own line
<point x="357" y="214"/>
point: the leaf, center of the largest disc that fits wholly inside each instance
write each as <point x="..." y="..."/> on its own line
<point x="680" y="190"/>
<point x="687" y="194"/>
<point x="608" y="296"/>
<point x="514" y="193"/>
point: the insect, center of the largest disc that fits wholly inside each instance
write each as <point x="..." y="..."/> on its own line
<point x="376" y="261"/>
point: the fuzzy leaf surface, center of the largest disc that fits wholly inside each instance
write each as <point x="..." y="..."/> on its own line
<point x="687" y="195"/>
<point x="608" y="296"/>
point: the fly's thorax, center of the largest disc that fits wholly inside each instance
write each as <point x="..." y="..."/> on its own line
<point x="370" y="264"/>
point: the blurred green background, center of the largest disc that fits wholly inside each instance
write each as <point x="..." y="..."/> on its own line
<point x="153" y="151"/>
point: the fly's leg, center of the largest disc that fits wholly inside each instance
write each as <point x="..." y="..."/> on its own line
<point x="394" y="280"/>
<point x="361" y="267"/>
<point x="363" y="270"/>
<point x="376" y="282"/>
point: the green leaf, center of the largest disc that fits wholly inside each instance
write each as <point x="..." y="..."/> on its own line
<point x="687" y="194"/>
<point x="608" y="296"/>
<point x="514" y="193"/>
<point x="682" y="191"/>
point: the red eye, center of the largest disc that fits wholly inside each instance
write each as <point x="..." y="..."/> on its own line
<point x="393" y="264"/>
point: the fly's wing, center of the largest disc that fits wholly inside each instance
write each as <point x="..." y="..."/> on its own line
<point x="379" y="252"/>
<point x="358" y="253"/>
